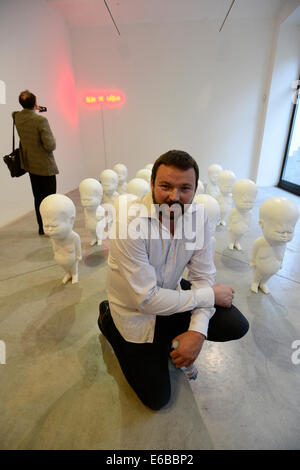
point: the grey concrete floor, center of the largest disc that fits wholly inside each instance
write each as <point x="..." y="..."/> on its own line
<point x="61" y="386"/>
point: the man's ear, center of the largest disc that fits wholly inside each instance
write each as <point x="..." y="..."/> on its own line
<point x="151" y="183"/>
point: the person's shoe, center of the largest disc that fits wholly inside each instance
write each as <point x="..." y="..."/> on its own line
<point x="41" y="231"/>
<point x="104" y="313"/>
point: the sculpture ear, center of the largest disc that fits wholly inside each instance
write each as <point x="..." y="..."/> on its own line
<point x="261" y="223"/>
<point x="72" y="218"/>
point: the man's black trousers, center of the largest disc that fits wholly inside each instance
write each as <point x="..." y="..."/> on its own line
<point x="145" y="365"/>
<point x="42" y="186"/>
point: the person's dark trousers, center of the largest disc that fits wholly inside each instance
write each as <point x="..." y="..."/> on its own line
<point x="145" y="365"/>
<point x="42" y="186"/>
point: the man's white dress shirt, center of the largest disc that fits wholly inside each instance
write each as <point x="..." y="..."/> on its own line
<point x="144" y="271"/>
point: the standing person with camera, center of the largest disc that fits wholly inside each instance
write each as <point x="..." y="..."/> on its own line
<point x="37" y="144"/>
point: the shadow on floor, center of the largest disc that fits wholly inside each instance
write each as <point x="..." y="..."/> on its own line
<point x="46" y="332"/>
<point x="272" y="332"/>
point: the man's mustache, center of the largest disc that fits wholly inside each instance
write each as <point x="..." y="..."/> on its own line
<point x="173" y="203"/>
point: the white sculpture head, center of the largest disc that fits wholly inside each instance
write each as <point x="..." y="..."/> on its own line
<point x="145" y="174"/>
<point x="58" y="215"/>
<point x="149" y="166"/>
<point x="91" y="193"/>
<point x="121" y="171"/>
<point x="109" y="180"/>
<point x="244" y="193"/>
<point x="212" y="208"/>
<point x="138" y="187"/>
<point x="226" y="179"/>
<point x="200" y="188"/>
<point x="277" y="218"/>
<point x="213" y="171"/>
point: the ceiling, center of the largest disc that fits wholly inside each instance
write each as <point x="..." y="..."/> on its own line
<point x="87" y="13"/>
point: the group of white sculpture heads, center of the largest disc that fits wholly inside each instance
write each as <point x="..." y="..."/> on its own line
<point x="58" y="213"/>
<point x="277" y="216"/>
<point x="277" y="219"/>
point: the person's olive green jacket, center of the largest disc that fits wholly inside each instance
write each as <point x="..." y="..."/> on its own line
<point x="37" y="143"/>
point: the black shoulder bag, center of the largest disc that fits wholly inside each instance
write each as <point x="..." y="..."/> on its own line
<point x="13" y="159"/>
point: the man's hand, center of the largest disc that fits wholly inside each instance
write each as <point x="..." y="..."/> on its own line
<point x="190" y="344"/>
<point x="223" y="295"/>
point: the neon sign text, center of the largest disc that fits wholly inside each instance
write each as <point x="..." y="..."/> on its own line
<point x="108" y="98"/>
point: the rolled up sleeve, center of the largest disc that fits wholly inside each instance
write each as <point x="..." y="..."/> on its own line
<point x="201" y="274"/>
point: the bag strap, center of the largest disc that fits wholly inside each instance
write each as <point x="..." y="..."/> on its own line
<point x="13" y="142"/>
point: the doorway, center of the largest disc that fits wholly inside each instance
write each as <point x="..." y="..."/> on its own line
<point x="290" y="172"/>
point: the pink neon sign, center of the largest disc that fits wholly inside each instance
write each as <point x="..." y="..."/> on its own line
<point x="108" y="98"/>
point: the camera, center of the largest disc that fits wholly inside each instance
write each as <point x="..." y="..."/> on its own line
<point x="42" y="109"/>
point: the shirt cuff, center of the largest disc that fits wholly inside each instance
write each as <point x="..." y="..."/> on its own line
<point x="205" y="297"/>
<point x="200" y="320"/>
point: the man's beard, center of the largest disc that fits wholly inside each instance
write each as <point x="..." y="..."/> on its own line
<point x="171" y="214"/>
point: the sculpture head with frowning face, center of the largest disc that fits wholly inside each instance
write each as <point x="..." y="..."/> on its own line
<point x="91" y="193"/>
<point x="244" y="193"/>
<point x="58" y="215"/>
<point x="277" y="218"/>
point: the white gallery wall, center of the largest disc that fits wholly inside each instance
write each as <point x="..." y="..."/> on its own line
<point x="35" y="54"/>
<point x="285" y="72"/>
<point x="187" y="86"/>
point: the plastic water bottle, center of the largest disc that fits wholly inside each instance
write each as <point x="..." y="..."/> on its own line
<point x="190" y="372"/>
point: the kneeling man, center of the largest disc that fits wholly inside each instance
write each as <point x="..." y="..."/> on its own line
<point x="150" y="308"/>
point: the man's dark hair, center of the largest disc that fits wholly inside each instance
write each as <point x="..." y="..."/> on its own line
<point x="177" y="158"/>
<point x="27" y="99"/>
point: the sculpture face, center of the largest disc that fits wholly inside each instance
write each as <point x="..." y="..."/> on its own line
<point x="109" y="181"/>
<point x="122" y="172"/>
<point x="277" y="218"/>
<point x="278" y="231"/>
<point x="58" y="215"/>
<point x="244" y="201"/>
<point x="244" y="193"/>
<point x="91" y="192"/>
<point x="89" y="199"/>
<point x="226" y="188"/>
<point x="57" y="224"/>
<point x="225" y="181"/>
<point x="213" y="171"/>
